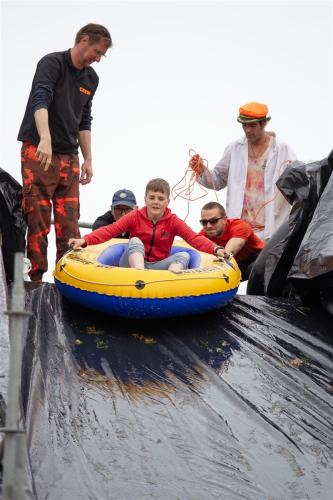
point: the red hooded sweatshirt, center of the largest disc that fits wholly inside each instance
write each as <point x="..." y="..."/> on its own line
<point x="157" y="238"/>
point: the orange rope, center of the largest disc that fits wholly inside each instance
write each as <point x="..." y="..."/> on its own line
<point x="186" y="189"/>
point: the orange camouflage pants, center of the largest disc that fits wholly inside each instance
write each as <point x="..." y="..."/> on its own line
<point x="58" y="186"/>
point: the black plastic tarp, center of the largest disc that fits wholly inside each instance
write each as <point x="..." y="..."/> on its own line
<point x="12" y="222"/>
<point x="234" y="404"/>
<point x="298" y="260"/>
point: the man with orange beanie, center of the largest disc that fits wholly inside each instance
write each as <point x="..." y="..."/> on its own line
<point x="250" y="168"/>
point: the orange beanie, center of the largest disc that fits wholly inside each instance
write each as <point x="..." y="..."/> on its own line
<point x="253" y="112"/>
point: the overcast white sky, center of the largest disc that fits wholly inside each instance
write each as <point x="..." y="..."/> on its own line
<point x="174" y="80"/>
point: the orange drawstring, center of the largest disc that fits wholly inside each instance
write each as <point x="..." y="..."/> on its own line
<point x="186" y="189"/>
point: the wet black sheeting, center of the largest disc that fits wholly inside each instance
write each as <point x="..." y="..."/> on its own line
<point x="298" y="260"/>
<point x="235" y="404"/>
<point x="12" y="221"/>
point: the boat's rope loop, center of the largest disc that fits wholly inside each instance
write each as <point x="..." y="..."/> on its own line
<point x="134" y="285"/>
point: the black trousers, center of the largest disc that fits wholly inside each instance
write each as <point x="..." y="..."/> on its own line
<point x="246" y="265"/>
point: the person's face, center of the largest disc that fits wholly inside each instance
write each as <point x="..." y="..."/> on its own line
<point x="156" y="203"/>
<point x="89" y="54"/>
<point x="254" y="131"/>
<point x="213" y="222"/>
<point x="120" y="210"/>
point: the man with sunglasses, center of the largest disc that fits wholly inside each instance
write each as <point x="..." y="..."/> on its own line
<point x="56" y="123"/>
<point x="123" y="202"/>
<point x="250" y="168"/>
<point x="234" y="235"/>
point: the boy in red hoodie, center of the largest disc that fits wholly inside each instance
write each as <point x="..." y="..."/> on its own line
<point x="152" y="231"/>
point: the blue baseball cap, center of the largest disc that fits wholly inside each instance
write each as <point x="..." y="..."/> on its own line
<point x="124" y="197"/>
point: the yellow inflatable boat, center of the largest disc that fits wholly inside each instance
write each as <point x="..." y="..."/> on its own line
<point x="91" y="277"/>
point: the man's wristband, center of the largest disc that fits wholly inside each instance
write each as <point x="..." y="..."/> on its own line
<point x="216" y="250"/>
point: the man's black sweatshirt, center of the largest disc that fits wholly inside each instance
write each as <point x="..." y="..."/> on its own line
<point x="67" y="93"/>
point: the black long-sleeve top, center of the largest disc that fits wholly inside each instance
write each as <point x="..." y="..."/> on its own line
<point x="67" y="93"/>
<point x="105" y="220"/>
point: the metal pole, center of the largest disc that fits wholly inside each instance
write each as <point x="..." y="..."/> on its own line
<point x="15" y="452"/>
<point x="87" y="225"/>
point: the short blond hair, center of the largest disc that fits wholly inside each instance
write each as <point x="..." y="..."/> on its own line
<point x="159" y="185"/>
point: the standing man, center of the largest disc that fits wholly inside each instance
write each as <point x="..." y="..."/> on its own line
<point x="250" y="168"/>
<point x="233" y="235"/>
<point x="56" y="123"/>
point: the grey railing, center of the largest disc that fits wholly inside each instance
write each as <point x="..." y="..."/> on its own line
<point x="15" y="481"/>
<point x="87" y="225"/>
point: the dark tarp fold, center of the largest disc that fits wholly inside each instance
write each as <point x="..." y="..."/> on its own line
<point x="298" y="259"/>
<point x="12" y="221"/>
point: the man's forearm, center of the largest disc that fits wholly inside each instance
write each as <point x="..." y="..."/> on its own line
<point x="42" y="123"/>
<point x="44" y="148"/>
<point x="234" y="245"/>
<point x="85" y="144"/>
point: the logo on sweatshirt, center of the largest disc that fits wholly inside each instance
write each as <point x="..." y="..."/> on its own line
<point x="85" y="91"/>
<point x="164" y="234"/>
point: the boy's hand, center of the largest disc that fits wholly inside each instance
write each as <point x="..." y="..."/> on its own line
<point x="76" y="243"/>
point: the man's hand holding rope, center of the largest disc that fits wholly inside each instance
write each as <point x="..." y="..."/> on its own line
<point x="197" y="164"/>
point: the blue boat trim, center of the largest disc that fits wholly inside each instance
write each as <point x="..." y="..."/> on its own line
<point x="137" y="308"/>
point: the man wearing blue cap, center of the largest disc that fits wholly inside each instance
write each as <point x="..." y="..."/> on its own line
<point x="123" y="201"/>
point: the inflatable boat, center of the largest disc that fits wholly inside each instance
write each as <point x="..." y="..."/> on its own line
<point x="92" y="278"/>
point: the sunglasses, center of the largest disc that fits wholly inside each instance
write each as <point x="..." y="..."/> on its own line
<point x="212" y="221"/>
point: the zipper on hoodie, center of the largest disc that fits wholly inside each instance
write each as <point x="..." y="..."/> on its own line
<point x="152" y="239"/>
